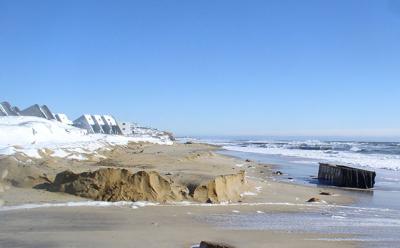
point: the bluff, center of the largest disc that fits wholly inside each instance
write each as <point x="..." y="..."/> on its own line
<point x="111" y="184"/>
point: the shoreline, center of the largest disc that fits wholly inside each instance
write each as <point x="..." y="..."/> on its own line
<point x="144" y="227"/>
<point x="184" y="163"/>
<point x="196" y="156"/>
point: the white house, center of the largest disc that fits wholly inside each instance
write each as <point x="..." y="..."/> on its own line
<point x="111" y="125"/>
<point x="86" y="122"/>
<point x="63" y="118"/>
<point x="100" y="124"/>
<point x="126" y="128"/>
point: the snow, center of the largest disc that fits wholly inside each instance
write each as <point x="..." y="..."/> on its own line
<point x="30" y="135"/>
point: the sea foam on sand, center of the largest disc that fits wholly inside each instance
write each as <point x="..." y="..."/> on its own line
<point x="133" y="205"/>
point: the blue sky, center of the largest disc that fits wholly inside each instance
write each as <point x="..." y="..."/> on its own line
<point x="209" y="67"/>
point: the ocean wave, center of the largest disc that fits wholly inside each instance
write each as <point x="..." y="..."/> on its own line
<point x="382" y="161"/>
<point x="360" y="147"/>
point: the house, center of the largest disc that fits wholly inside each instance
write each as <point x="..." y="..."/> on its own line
<point x="98" y="124"/>
<point x="101" y="127"/>
<point x="63" y="118"/>
<point x="7" y="110"/>
<point x="87" y="122"/>
<point x="111" y="123"/>
<point x="126" y="128"/>
<point x="38" y="111"/>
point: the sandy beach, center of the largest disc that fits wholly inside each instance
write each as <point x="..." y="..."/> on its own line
<point x="199" y="124"/>
<point x="26" y="220"/>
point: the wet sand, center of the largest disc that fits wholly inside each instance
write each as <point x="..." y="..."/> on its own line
<point x="145" y="227"/>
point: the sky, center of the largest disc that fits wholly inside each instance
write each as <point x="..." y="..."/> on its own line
<point x="210" y="67"/>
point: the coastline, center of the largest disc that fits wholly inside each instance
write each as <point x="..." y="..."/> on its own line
<point x="182" y="224"/>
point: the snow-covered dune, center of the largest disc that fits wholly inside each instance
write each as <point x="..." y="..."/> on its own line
<point x="30" y="135"/>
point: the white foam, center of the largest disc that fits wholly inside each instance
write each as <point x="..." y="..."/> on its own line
<point x="248" y="193"/>
<point x="338" y="217"/>
<point x="391" y="162"/>
<point x="140" y="204"/>
<point x="79" y="204"/>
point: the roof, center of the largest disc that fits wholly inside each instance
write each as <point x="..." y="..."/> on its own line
<point x="38" y="111"/>
<point x="7" y="110"/>
<point x="63" y="118"/>
<point x="109" y="120"/>
<point x="86" y="118"/>
<point x="98" y="119"/>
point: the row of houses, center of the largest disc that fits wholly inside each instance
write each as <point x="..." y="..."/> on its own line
<point x="6" y="109"/>
<point x="105" y="124"/>
<point x="98" y="124"/>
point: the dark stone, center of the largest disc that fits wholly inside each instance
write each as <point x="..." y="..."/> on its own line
<point x="325" y="193"/>
<point x="207" y="244"/>
<point x="279" y="173"/>
<point x="248" y="160"/>
<point x="314" y="199"/>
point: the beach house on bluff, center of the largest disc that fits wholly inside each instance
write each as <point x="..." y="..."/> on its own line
<point x="35" y="110"/>
<point x="7" y="110"/>
<point x="87" y="122"/>
<point x="63" y="118"/>
<point x="126" y="128"/>
<point x="111" y="125"/>
<point x="38" y="111"/>
<point x="98" y="124"/>
<point x="102" y="124"/>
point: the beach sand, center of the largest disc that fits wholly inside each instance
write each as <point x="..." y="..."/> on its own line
<point x="144" y="227"/>
<point x="164" y="225"/>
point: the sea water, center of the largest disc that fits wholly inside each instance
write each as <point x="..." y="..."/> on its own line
<point x="374" y="219"/>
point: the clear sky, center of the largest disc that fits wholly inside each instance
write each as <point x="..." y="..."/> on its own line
<point x="209" y="67"/>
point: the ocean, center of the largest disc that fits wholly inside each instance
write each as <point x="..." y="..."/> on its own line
<point x="373" y="220"/>
<point x="374" y="155"/>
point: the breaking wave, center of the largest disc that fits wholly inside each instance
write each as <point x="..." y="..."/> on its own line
<point x="384" y="155"/>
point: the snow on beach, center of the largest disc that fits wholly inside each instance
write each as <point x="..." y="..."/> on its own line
<point x="33" y="136"/>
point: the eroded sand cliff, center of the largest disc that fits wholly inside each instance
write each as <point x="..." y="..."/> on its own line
<point x="111" y="184"/>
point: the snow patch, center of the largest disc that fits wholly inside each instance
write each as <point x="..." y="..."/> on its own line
<point x="29" y="135"/>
